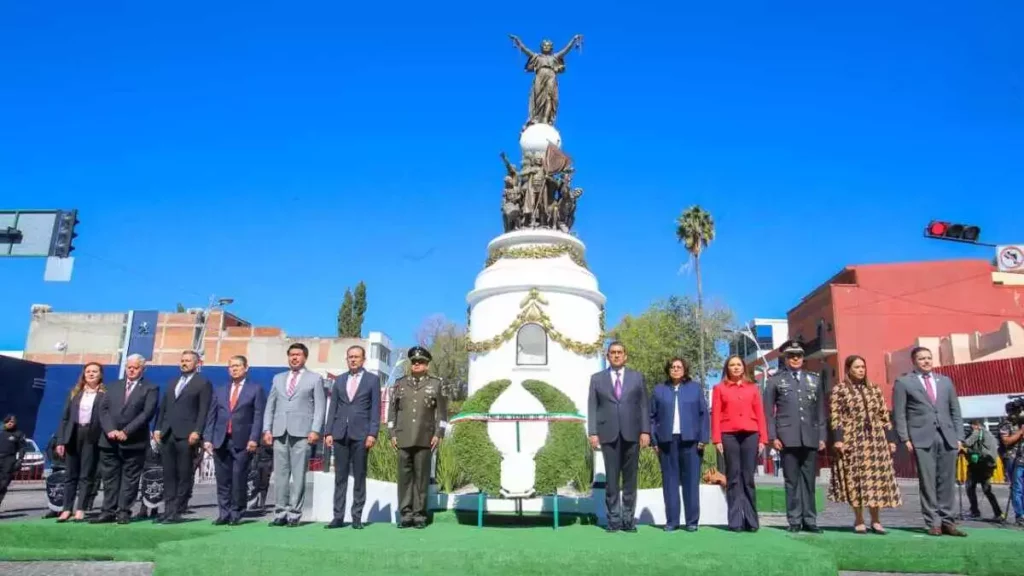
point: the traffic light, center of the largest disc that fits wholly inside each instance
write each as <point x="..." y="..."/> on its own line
<point x="939" y="230"/>
<point x="64" y="234"/>
<point x="11" y="235"/>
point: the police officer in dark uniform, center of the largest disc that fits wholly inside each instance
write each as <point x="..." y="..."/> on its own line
<point x="417" y="409"/>
<point x="12" y="452"/>
<point x="794" y="404"/>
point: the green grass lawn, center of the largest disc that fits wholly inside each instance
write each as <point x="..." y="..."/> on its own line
<point x="450" y="548"/>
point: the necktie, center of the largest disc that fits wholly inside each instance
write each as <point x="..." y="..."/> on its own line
<point x="291" y="383"/>
<point x="353" y="385"/>
<point x="128" y="390"/>
<point x="928" y="386"/>
<point x="235" y="389"/>
<point x="618" y="386"/>
<point x="180" y="386"/>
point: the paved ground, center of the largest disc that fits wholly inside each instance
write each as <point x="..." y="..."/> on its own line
<point x="76" y="568"/>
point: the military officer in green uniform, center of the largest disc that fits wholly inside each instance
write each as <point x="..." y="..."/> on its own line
<point x="416" y="419"/>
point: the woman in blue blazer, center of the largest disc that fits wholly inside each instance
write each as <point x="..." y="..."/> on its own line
<point x="680" y="426"/>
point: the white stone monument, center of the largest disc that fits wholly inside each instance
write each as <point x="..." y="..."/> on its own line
<point x="535" y="313"/>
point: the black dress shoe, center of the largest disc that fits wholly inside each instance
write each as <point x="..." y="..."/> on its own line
<point x="611" y="529"/>
<point x="103" y="519"/>
<point x="293" y="523"/>
<point x="419" y="524"/>
<point x="793" y="529"/>
<point x="405" y="523"/>
<point x="631" y="528"/>
<point x="357" y="525"/>
<point x="813" y="529"/>
<point x="690" y="528"/>
<point x="235" y="522"/>
<point x="278" y="522"/>
<point x="220" y="521"/>
<point x="124" y="519"/>
<point x="669" y="528"/>
<point x="334" y="524"/>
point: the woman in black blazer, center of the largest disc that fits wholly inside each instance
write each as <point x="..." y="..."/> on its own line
<point x="78" y="440"/>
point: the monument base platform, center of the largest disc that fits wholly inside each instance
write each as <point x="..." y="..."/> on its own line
<point x="382" y="503"/>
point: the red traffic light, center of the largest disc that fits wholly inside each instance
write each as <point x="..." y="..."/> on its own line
<point x="940" y="230"/>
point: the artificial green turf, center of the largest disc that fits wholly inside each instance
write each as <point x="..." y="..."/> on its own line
<point x="450" y="548"/>
<point x="772" y="499"/>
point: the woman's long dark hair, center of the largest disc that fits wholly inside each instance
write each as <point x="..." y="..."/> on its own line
<point x="80" y="385"/>
<point x="849" y="364"/>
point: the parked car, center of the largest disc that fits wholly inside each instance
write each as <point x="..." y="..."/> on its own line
<point x="33" y="463"/>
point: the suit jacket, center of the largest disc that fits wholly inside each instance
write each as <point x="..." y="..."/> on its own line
<point x="922" y="422"/>
<point x="300" y="413"/>
<point x="694" y="420"/>
<point x="609" y="418"/>
<point x="133" y="415"/>
<point x="417" y="411"/>
<point x="69" y="419"/>
<point x="186" y="413"/>
<point x="795" y="410"/>
<point x="246" y="419"/>
<point x="357" y="418"/>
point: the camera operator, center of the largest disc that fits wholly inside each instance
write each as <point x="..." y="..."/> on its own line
<point x="1012" y="433"/>
<point x="982" y="451"/>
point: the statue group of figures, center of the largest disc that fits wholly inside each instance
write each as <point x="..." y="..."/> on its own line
<point x="540" y="193"/>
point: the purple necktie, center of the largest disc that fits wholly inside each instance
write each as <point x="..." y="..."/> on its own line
<point x="618" y="387"/>
<point x="928" y="386"/>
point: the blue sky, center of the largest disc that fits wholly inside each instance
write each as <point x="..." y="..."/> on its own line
<point x="277" y="153"/>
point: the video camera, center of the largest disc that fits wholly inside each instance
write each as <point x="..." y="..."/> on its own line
<point x="1015" y="410"/>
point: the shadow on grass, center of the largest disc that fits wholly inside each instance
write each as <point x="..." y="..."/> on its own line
<point x="513" y="520"/>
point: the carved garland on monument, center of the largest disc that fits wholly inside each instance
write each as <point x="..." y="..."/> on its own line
<point x="532" y="313"/>
<point x="537" y="253"/>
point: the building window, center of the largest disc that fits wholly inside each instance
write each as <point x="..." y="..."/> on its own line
<point x="380" y="352"/>
<point x="531" y="346"/>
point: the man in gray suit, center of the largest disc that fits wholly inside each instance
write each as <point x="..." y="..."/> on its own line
<point x="794" y="405"/>
<point x="618" y="422"/>
<point x="927" y="416"/>
<point x="292" y="421"/>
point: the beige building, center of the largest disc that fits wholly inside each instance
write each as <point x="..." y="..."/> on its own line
<point x="1004" y="343"/>
<point x="80" y="337"/>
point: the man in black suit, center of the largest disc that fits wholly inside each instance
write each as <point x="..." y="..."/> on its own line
<point x="179" y="429"/>
<point x="232" y="435"/>
<point x="125" y="415"/>
<point x="618" y="422"/>
<point x="353" y="420"/>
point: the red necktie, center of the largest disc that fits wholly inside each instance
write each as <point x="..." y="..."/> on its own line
<point x="928" y="386"/>
<point x="235" y="389"/>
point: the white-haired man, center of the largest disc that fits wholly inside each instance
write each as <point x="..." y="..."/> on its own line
<point x="125" y="415"/>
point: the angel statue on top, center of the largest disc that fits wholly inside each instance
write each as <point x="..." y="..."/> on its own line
<point x="546" y="66"/>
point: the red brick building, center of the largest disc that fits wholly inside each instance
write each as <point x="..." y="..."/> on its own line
<point x="873" y="309"/>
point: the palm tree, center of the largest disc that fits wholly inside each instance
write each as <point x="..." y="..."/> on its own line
<point x="696" y="230"/>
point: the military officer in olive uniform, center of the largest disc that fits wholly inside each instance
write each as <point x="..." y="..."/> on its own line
<point x="794" y="404"/>
<point x="416" y="419"/>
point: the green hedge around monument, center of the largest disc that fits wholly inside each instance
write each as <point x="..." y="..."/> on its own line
<point x="566" y="457"/>
<point x="474" y="452"/>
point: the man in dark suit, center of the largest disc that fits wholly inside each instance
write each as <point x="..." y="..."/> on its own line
<point x="232" y="435"/>
<point x="178" y="429"/>
<point x="926" y="413"/>
<point x="618" y="421"/>
<point x="125" y="416"/>
<point x="794" y="405"/>
<point x="353" y="420"/>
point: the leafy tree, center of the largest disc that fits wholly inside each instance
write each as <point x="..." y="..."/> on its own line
<point x="180" y="308"/>
<point x="345" y="315"/>
<point x="358" y="309"/>
<point x="446" y="342"/>
<point x="671" y="328"/>
<point x="696" y="230"/>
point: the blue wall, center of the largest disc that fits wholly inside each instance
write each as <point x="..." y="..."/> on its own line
<point x="21" y="390"/>
<point x="61" y="378"/>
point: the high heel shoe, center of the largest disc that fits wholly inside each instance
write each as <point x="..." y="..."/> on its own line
<point x="878" y="529"/>
<point x="860" y="529"/>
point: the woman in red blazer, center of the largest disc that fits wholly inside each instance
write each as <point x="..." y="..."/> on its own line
<point x="739" y="433"/>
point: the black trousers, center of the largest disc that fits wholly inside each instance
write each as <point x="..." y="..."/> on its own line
<point x="799" y="467"/>
<point x="82" y="457"/>
<point x="413" y="482"/>
<point x="231" y="466"/>
<point x="121" y="469"/>
<point x="265" y="468"/>
<point x="741" y="463"/>
<point x="176" y="457"/>
<point x="620" y="458"/>
<point x="981" y="476"/>
<point x="7" y="472"/>
<point x="350" y="458"/>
